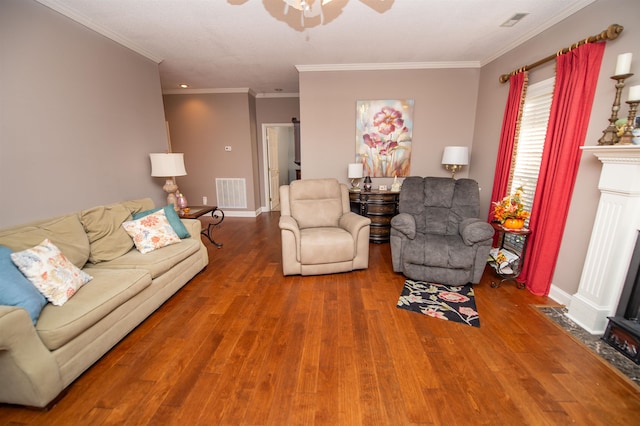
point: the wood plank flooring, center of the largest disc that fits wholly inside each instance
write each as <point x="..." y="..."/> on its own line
<point x="242" y="345"/>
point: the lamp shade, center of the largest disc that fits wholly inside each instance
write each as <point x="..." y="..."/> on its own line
<point x="355" y="170"/>
<point x="167" y="165"/>
<point x="456" y="155"/>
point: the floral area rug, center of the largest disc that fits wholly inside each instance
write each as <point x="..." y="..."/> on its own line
<point x="452" y="303"/>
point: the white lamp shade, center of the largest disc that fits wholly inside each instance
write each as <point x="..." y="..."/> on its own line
<point x="355" y="170"/>
<point x="167" y="165"/>
<point x="456" y="155"/>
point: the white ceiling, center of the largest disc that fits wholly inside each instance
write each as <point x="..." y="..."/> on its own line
<point x="232" y="44"/>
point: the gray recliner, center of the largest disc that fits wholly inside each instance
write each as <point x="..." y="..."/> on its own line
<point x="438" y="236"/>
<point x="320" y="234"/>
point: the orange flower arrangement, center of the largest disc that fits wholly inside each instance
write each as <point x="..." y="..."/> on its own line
<point x="510" y="207"/>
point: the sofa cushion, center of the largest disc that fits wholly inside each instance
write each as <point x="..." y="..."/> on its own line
<point x="16" y="290"/>
<point x="157" y="262"/>
<point x="137" y="206"/>
<point x="65" y="232"/>
<point x="50" y="271"/>
<point x="108" y="290"/>
<point x="172" y="217"/>
<point x="107" y="237"/>
<point x="151" y="232"/>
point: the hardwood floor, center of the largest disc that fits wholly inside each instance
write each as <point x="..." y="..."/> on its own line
<point x="243" y="345"/>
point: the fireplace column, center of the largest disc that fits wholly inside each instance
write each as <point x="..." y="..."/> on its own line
<point x="612" y="239"/>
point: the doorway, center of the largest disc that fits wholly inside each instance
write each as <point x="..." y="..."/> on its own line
<point x="279" y="167"/>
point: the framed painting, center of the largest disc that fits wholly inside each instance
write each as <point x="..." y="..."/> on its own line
<point x="383" y="137"/>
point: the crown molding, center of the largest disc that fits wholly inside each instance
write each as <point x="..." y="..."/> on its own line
<point x="87" y="22"/>
<point x="278" y="95"/>
<point x="387" y="66"/>
<point x="208" y="91"/>
<point x="212" y="90"/>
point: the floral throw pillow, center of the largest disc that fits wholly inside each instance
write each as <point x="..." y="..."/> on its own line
<point x="50" y="272"/>
<point x="151" y="232"/>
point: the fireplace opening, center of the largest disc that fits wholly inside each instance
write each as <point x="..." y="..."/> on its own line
<point x="623" y="330"/>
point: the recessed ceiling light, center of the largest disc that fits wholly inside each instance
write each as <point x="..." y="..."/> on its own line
<point x="184" y="86"/>
<point x="513" y="20"/>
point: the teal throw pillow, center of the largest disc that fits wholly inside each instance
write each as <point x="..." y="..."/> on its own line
<point x="16" y="289"/>
<point x="172" y="216"/>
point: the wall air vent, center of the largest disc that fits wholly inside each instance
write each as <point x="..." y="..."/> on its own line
<point x="231" y="193"/>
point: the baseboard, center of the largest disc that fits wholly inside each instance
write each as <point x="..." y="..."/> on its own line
<point x="559" y="295"/>
<point x="242" y="213"/>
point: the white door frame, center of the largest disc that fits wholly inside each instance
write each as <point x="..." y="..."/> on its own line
<point x="265" y="161"/>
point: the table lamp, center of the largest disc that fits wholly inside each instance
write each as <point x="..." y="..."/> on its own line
<point x="168" y="165"/>
<point x="355" y="174"/>
<point x="454" y="157"/>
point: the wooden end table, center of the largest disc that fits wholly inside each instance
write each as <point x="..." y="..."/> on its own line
<point x="380" y="207"/>
<point x="197" y="211"/>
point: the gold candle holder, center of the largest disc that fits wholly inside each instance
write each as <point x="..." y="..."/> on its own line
<point x="610" y="134"/>
<point x="626" y="137"/>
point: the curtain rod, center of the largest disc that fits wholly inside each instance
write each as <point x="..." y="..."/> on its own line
<point x="610" y="33"/>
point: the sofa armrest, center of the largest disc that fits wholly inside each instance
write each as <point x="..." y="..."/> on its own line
<point x="28" y="370"/>
<point x="404" y="223"/>
<point x="474" y="230"/>
<point x="194" y="227"/>
<point x="353" y="223"/>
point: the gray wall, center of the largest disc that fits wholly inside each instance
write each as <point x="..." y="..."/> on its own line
<point x="201" y="125"/>
<point x="444" y="114"/>
<point x="79" y="115"/>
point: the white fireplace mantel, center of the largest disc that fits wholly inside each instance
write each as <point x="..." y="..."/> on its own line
<point x="613" y="237"/>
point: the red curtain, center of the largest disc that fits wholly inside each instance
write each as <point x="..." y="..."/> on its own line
<point x="512" y="112"/>
<point x="576" y="78"/>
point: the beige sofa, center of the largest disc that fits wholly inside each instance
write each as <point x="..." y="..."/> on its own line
<point x="320" y="234"/>
<point x="38" y="362"/>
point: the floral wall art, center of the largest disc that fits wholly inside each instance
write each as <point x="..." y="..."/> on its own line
<point x="383" y="137"/>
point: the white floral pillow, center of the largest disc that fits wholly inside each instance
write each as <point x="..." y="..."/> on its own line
<point x="50" y="272"/>
<point x="151" y="232"/>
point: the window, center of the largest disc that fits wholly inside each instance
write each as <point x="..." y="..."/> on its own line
<point x="528" y="155"/>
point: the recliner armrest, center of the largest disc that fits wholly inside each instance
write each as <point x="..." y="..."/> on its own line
<point x="288" y="223"/>
<point x="353" y="223"/>
<point x="405" y="223"/>
<point x="474" y="230"/>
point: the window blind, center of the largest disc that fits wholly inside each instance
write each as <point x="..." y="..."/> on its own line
<point x="528" y="155"/>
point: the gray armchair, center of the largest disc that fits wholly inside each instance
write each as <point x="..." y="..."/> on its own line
<point x="437" y="236"/>
<point x="320" y="235"/>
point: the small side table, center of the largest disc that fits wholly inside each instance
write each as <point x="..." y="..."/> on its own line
<point x="515" y="267"/>
<point x="380" y="207"/>
<point x="196" y="211"/>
